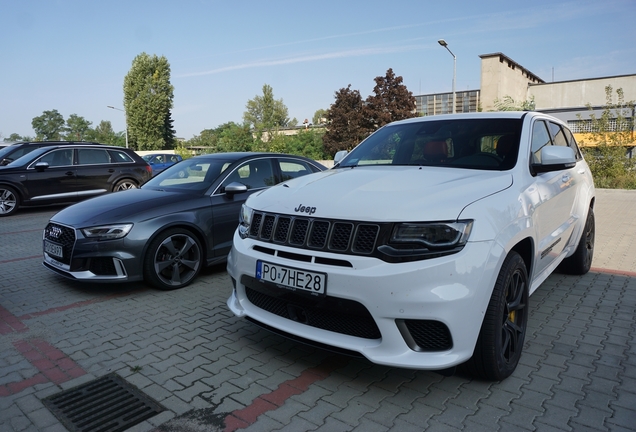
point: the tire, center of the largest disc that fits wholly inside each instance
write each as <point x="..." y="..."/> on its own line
<point x="173" y="259"/>
<point x="125" y="184"/>
<point x="581" y="261"/>
<point x="9" y="201"/>
<point x="503" y="331"/>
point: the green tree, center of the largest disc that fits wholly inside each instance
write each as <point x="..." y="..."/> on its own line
<point x="606" y="145"/>
<point x="509" y="104"/>
<point x="235" y="138"/>
<point x="77" y="128"/>
<point x="390" y="102"/>
<point x="148" y="99"/>
<point x="14" y="137"/>
<point x="346" y="122"/>
<point x="319" y="116"/>
<point x="104" y="133"/>
<point x="266" y="114"/>
<point x="49" y="126"/>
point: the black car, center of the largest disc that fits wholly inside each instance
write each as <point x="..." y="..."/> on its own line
<point x="16" y="150"/>
<point x="179" y="221"/>
<point x="68" y="173"/>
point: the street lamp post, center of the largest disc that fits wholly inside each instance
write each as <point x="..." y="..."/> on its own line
<point x="443" y="43"/>
<point x="125" y="119"/>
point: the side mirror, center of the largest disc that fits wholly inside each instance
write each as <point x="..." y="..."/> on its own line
<point x="555" y="158"/>
<point x="41" y="166"/>
<point x="235" y="188"/>
<point x="339" y="156"/>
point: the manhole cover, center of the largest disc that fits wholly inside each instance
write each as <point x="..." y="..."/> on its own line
<point x="107" y="404"/>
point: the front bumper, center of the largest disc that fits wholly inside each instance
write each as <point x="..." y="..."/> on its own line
<point x="450" y="292"/>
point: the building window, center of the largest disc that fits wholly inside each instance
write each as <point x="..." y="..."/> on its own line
<point x="587" y="126"/>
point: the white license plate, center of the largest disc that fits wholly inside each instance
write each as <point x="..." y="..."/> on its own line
<point x="53" y="249"/>
<point x="293" y="278"/>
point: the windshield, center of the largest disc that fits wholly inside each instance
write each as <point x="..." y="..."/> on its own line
<point x="486" y="144"/>
<point x="196" y="174"/>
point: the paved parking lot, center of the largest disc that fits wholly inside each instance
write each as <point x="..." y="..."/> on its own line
<point x="214" y="372"/>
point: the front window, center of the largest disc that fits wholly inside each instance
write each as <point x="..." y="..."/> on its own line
<point x="485" y="144"/>
<point x="192" y="174"/>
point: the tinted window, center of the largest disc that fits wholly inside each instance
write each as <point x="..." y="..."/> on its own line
<point x="92" y="156"/>
<point x="193" y="174"/>
<point x="558" y="137"/>
<point x="540" y="139"/>
<point x="57" y="158"/>
<point x="254" y="174"/>
<point x="293" y="168"/>
<point x="465" y="143"/>
<point x="119" y="156"/>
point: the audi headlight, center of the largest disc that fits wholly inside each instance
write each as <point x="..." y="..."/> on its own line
<point x="433" y="235"/>
<point x="107" y="232"/>
<point x="245" y="220"/>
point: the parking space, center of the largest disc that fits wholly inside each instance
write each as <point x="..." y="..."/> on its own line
<point x="212" y="371"/>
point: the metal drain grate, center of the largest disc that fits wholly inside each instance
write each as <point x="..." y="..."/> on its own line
<point x="107" y="404"/>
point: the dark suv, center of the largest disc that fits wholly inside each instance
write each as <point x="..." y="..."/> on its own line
<point x="16" y="150"/>
<point x="68" y="172"/>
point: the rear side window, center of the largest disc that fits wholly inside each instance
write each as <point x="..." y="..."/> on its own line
<point x="120" y="156"/>
<point x="293" y="168"/>
<point x="92" y="156"/>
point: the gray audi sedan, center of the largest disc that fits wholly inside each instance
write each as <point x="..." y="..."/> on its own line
<point x="165" y="232"/>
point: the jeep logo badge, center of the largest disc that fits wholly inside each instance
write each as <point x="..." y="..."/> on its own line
<point x="305" y="209"/>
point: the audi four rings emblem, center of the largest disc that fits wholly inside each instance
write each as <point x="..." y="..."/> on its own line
<point x="55" y="232"/>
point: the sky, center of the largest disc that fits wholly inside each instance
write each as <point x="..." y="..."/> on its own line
<point x="73" y="55"/>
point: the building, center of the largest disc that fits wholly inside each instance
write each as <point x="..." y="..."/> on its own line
<point x="502" y="77"/>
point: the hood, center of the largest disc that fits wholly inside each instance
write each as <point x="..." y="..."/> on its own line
<point x="126" y="206"/>
<point x="382" y="193"/>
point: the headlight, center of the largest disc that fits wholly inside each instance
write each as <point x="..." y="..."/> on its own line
<point x="433" y="235"/>
<point x="245" y="220"/>
<point x="107" y="232"/>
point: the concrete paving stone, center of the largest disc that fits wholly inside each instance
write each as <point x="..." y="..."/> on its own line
<point x="174" y="340"/>
<point x="523" y="416"/>
<point x="272" y="377"/>
<point x="366" y="425"/>
<point x="189" y="393"/>
<point x="387" y="414"/>
<point x="420" y="414"/>
<point x="558" y="416"/>
<point x="472" y="426"/>
<point x="404" y="426"/>
<point x="626" y="397"/>
<point x="489" y="415"/>
<point x="42" y="418"/>
<point x="161" y="354"/>
<point x="157" y="392"/>
<point x="247" y="396"/>
<point x="224" y="390"/>
<point x="215" y="367"/>
<point x="343" y="395"/>
<point x="352" y="412"/>
<point x="319" y="411"/>
<point x="334" y="425"/>
<point x="602" y="385"/>
<point x="227" y="405"/>
<point x="172" y="386"/>
<point x="248" y="379"/>
<point x="196" y="375"/>
<point x="284" y="414"/>
<point x="263" y="423"/>
<point x="435" y="426"/>
<point x="311" y="395"/>
<point x="192" y="365"/>
<point x="216" y="380"/>
<point x="623" y="418"/>
<point x="373" y="397"/>
<point x="176" y="405"/>
<point x="610" y="369"/>
<point x="298" y="424"/>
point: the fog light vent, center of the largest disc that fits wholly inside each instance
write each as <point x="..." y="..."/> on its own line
<point x="107" y="404"/>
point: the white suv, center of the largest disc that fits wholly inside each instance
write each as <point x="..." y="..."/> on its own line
<point x="420" y="248"/>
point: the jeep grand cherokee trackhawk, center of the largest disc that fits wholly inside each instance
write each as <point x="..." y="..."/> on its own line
<point x="420" y="248"/>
